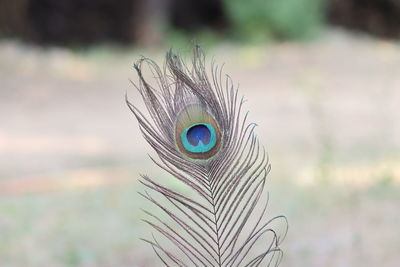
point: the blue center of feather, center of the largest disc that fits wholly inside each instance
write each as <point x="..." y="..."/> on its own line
<point x="199" y="138"/>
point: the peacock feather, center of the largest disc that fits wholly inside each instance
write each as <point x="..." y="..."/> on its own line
<point x="217" y="214"/>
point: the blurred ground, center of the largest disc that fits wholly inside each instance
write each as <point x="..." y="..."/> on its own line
<point x="71" y="153"/>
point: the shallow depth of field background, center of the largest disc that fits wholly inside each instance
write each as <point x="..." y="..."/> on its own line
<point x="321" y="79"/>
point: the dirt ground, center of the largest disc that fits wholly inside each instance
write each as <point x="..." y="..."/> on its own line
<point x="71" y="152"/>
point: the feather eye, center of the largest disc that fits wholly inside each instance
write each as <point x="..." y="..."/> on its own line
<point x="197" y="134"/>
<point x="203" y="140"/>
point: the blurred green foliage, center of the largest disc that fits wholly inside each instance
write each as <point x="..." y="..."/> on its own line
<point x="260" y="20"/>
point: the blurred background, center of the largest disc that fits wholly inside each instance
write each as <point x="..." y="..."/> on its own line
<point x="322" y="80"/>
